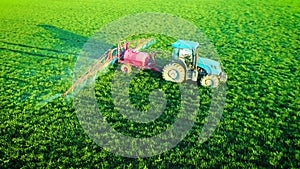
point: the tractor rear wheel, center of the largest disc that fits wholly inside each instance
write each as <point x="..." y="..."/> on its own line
<point x="210" y="81"/>
<point x="174" y="72"/>
<point x="126" y="68"/>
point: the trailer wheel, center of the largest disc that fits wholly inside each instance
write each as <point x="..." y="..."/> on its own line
<point x="210" y="81"/>
<point x="174" y="72"/>
<point x="126" y="68"/>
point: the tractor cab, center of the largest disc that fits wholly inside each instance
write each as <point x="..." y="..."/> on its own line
<point x="186" y="51"/>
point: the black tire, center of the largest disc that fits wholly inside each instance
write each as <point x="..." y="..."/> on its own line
<point x="174" y="72"/>
<point x="126" y="68"/>
<point x="210" y="81"/>
<point x="223" y="77"/>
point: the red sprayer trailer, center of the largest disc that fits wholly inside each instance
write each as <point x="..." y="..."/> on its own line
<point x="125" y="56"/>
<point x="132" y="57"/>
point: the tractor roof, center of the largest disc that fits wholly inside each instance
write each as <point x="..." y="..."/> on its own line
<point x="185" y="44"/>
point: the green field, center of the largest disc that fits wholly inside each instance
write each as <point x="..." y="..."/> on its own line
<point x="258" y="44"/>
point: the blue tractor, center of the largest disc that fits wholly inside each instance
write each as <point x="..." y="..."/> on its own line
<point x="187" y="65"/>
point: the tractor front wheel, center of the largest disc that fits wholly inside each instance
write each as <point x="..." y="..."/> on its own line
<point x="126" y="68"/>
<point x="174" y="72"/>
<point x="223" y="77"/>
<point x="210" y="81"/>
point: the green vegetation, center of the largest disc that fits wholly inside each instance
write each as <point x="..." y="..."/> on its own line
<point x="258" y="44"/>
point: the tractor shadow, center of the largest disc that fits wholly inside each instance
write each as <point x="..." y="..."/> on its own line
<point x="69" y="44"/>
<point x="57" y="47"/>
<point x="69" y="39"/>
